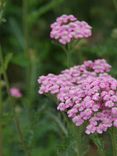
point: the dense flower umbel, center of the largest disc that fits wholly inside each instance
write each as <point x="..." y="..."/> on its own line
<point x="86" y="93"/>
<point x="67" y="27"/>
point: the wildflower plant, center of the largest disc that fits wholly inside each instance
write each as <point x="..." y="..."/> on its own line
<point x="87" y="93"/>
<point x="84" y="93"/>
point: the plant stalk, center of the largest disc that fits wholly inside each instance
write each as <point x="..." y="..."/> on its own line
<point x="79" y="141"/>
<point x="67" y="51"/>
<point x="16" y="119"/>
<point x="114" y="140"/>
<point x="25" y="27"/>
<point x="115" y="4"/>
<point x="1" y="112"/>
<point x="29" y="53"/>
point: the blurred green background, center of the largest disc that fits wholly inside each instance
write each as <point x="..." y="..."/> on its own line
<point x="26" y="34"/>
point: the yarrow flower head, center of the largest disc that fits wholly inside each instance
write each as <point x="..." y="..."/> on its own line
<point x="86" y="93"/>
<point x="15" y="92"/>
<point x="67" y="28"/>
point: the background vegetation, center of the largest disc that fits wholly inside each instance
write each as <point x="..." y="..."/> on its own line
<point x="25" y="34"/>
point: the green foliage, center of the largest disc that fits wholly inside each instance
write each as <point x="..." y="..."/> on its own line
<point x="99" y="142"/>
<point x="2" y="5"/>
<point x="4" y="63"/>
<point x="34" y="16"/>
<point x="28" y="53"/>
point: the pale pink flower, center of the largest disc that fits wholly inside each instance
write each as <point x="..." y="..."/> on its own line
<point x="15" y="92"/>
<point x="67" y="28"/>
<point x="87" y="93"/>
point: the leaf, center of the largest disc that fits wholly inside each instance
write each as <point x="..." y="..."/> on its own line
<point x="98" y="141"/>
<point x="2" y="6"/>
<point x="36" y="14"/>
<point x="59" y="122"/>
<point x="1" y="70"/>
<point x="21" y="60"/>
<point x="17" y="32"/>
<point x="7" y="60"/>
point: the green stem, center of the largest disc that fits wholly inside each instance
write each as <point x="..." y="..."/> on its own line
<point x="1" y="141"/>
<point x="115" y="4"/>
<point x="77" y="134"/>
<point x="16" y="119"/>
<point x="31" y="70"/>
<point x="79" y="142"/>
<point x="29" y="53"/>
<point x="1" y="112"/>
<point x="33" y="76"/>
<point x="25" y="27"/>
<point x="68" y="59"/>
<point x="31" y="91"/>
<point x="22" y="140"/>
<point x="68" y="55"/>
<point x="26" y="41"/>
<point x="114" y="140"/>
<point x="69" y="50"/>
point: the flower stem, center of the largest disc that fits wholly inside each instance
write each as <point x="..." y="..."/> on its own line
<point x="67" y="51"/>
<point x="114" y="140"/>
<point x="115" y="4"/>
<point x="79" y="142"/>
<point x="77" y="134"/>
<point x="25" y="27"/>
<point x="68" y="59"/>
<point x="30" y="54"/>
<point x="16" y="119"/>
<point x="1" y="112"/>
<point x="26" y="39"/>
<point x="1" y="141"/>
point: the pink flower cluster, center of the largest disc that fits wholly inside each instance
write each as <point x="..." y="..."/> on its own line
<point x="67" y="28"/>
<point x="87" y="93"/>
<point x="15" y="92"/>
